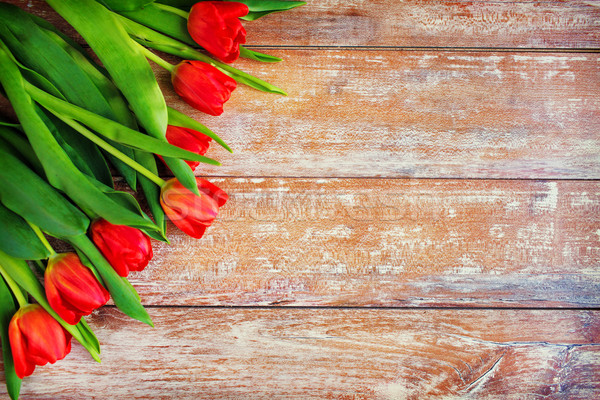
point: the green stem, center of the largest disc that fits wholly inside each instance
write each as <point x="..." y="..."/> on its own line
<point x="158" y="60"/>
<point x="172" y="10"/>
<point x="14" y="287"/>
<point x="157" y="41"/>
<point x="42" y="238"/>
<point x="110" y="149"/>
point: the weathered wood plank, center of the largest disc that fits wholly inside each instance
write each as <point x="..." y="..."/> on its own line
<point x="414" y="114"/>
<point x="431" y="23"/>
<point x="420" y="23"/>
<point x="333" y="354"/>
<point x="361" y="242"/>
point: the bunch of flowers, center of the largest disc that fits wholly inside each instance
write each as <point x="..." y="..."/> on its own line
<point x="76" y="120"/>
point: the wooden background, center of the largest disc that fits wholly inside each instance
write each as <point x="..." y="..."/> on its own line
<point x="419" y="218"/>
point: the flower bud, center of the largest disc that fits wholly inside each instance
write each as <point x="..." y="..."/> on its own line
<point x="71" y="288"/>
<point x="188" y="139"/>
<point x="215" y="26"/>
<point x="202" y="86"/>
<point x="189" y="212"/>
<point x="36" y="339"/>
<point x="126" y="248"/>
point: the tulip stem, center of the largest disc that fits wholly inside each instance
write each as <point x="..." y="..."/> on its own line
<point x="14" y="287"/>
<point x="42" y="238"/>
<point x="157" y="59"/>
<point x="172" y="10"/>
<point x="111" y="149"/>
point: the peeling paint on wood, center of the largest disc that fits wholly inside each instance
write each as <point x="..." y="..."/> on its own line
<point x="359" y="242"/>
<point x="333" y="354"/>
<point x="414" y="114"/>
<point x="381" y="90"/>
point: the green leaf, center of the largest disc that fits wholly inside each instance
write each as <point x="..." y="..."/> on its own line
<point x="112" y="95"/>
<point x="7" y="310"/>
<point x="120" y="110"/>
<point x="254" y="15"/>
<point x="122" y="58"/>
<point x="20" y="272"/>
<point x="152" y="193"/>
<point x="68" y="71"/>
<point x="178" y="118"/>
<point x="85" y="150"/>
<point x="113" y="130"/>
<point x="33" y="76"/>
<point x="124" y="170"/>
<point x="183" y="172"/>
<point x="38" y="50"/>
<point x="18" y="239"/>
<point x="75" y="156"/>
<point x="36" y="200"/>
<point x="123" y="294"/>
<point x="270" y="5"/>
<point x="19" y="143"/>
<point x="60" y="171"/>
<point x="112" y="98"/>
<point x="125" y="5"/>
<point x="255" y="55"/>
<point x="42" y="23"/>
<point x="161" y="20"/>
<point x="87" y="333"/>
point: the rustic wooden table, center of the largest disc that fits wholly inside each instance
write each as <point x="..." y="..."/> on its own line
<point x="419" y="218"/>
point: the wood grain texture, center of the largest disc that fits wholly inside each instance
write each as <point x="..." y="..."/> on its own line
<point x="432" y="23"/>
<point x="353" y="268"/>
<point x="333" y="354"/>
<point x="420" y="23"/>
<point x="420" y="114"/>
<point x="361" y="242"/>
<point x="353" y="113"/>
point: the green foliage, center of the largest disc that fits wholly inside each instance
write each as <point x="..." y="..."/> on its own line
<point x="59" y="169"/>
<point x="18" y="239"/>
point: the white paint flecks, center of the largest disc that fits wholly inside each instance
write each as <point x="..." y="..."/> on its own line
<point x="549" y="201"/>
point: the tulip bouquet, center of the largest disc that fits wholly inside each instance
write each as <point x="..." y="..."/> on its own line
<point x="79" y="122"/>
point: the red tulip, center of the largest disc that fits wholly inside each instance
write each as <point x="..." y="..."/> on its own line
<point x="72" y="289"/>
<point x="36" y="339"/>
<point x="202" y="86"/>
<point x="191" y="213"/>
<point x="190" y="140"/>
<point x="125" y="248"/>
<point x="215" y="25"/>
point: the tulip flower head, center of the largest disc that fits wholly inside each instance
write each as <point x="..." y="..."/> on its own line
<point x="190" y="140"/>
<point x="202" y="86"/>
<point x="126" y="248"/>
<point x="36" y="338"/>
<point x="189" y="212"/>
<point x="215" y="26"/>
<point x="71" y="288"/>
